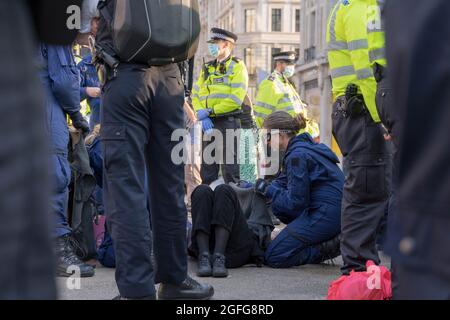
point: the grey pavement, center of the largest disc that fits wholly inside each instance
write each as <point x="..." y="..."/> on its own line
<point x="301" y="283"/>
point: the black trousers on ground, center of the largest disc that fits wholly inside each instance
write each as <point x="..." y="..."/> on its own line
<point x="366" y="187"/>
<point x="27" y="264"/>
<point x="221" y="208"/>
<point x="142" y="108"/>
<point x="419" y="70"/>
<point x="209" y="172"/>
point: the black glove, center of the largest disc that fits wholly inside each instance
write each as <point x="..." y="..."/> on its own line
<point x="261" y="186"/>
<point x="80" y="123"/>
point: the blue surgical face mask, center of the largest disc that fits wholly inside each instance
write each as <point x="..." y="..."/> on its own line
<point x="289" y="71"/>
<point x="213" y="49"/>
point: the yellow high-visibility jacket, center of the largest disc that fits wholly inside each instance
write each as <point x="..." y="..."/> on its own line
<point x="348" y="50"/>
<point x="276" y="93"/>
<point x="221" y="87"/>
<point x="375" y="34"/>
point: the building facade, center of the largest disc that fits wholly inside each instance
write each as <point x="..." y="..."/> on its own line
<point x="313" y="76"/>
<point x="263" y="27"/>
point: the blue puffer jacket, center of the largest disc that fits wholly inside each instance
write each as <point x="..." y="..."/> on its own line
<point x="309" y="178"/>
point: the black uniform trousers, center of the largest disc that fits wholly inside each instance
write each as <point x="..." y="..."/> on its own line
<point x="418" y="48"/>
<point x="221" y="208"/>
<point x="388" y="117"/>
<point x="226" y="154"/>
<point x="27" y="263"/>
<point x="142" y="107"/>
<point x="366" y="186"/>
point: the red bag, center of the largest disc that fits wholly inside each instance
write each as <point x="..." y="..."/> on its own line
<point x="373" y="284"/>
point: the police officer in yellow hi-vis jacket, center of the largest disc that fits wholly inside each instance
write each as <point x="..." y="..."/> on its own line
<point x="217" y="98"/>
<point x="276" y="93"/>
<point x="357" y="129"/>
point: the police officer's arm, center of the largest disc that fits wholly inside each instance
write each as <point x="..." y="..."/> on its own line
<point x="355" y="26"/>
<point x="239" y="87"/>
<point x="83" y="87"/>
<point x="265" y="103"/>
<point x="196" y="103"/>
<point x="64" y="75"/>
<point x="295" y="198"/>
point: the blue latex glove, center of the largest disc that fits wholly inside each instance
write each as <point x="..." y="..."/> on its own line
<point x="207" y="126"/>
<point x="203" y="114"/>
<point x="245" y="184"/>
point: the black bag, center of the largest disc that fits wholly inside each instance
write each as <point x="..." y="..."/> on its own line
<point x="152" y="32"/>
<point x="82" y="206"/>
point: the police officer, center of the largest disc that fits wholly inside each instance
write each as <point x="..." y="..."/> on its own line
<point x="417" y="50"/>
<point x="90" y="83"/>
<point x="144" y="105"/>
<point x="357" y="129"/>
<point x="217" y="98"/>
<point x="276" y="93"/>
<point x="60" y="78"/>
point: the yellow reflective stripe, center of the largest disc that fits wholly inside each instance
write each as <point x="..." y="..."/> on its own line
<point x="342" y="72"/>
<point x="358" y="44"/>
<point x="362" y="74"/>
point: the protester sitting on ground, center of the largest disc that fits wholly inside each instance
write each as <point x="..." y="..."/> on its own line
<point x="306" y="195"/>
<point x="228" y="233"/>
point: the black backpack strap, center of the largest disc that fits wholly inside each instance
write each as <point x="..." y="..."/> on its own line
<point x="102" y="5"/>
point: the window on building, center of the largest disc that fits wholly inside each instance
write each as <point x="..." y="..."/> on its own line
<point x="312" y="28"/>
<point x="249" y="58"/>
<point x="276" y="20"/>
<point x="297" y="20"/>
<point x="274" y="51"/>
<point x="250" y="20"/>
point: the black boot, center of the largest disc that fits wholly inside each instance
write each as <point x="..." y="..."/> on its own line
<point x="189" y="289"/>
<point x="204" y="265"/>
<point x="330" y="249"/>
<point x="67" y="259"/>
<point x="219" y="269"/>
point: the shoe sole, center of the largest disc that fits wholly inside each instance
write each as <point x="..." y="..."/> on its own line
<point x="204" y="275"/>
<point x="191" y="299"/>
<point x="220" y="275"/>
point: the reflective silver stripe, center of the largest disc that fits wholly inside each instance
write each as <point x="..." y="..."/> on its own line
<point x="377" y="54"/>
<point x="284" y="100"/>
<point x="342" y="72"/>
<point x="265" y="106"/>
<point x="196" y="87"/>
<point x="358" y="44"/>
<point x="222" y="96"/>
<point x="333" y="23"/>
<point x="337" y="45"/>
<point x="239" y="85"/>
<point x="375" y="30"/>
<point x="260" y="115"/>
<point x="236" y="99"/>
<point x="287" y="109"/>
<point x="364" y="73"/>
